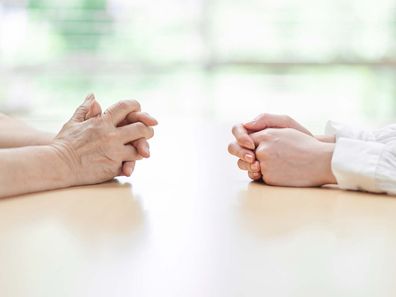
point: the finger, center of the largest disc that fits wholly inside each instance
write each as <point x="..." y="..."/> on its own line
<point x="82" y="111"/>
<point x="260" y="137"/>
<point x="143" y="117"/>
<point x="94" y="110"/>
<point x="255" y="167"/>
<point x="142" y="147"/>
<point x="267" y="120"/>
<point x="128" y="167"/>
<point x="135" y="131"/>
<point x="254" y="175"/>
<point x="244" y="154"/>
<point x="242" y="137"/>
<point x="119" y="111"/>
<point x="130" y="153"/>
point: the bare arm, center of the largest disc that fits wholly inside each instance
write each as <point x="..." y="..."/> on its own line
<point x="15" y="133"/>
<point x="85" y="151"/>
<point x="30" y="169"/>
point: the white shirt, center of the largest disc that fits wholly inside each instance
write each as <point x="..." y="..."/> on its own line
<point x="364" y="160"/>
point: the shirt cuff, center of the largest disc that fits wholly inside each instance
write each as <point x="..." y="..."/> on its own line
<point x="354" y="164"/>
<point x="344" y="131"/>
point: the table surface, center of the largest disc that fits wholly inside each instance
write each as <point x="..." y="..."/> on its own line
<point x="188" y="223"/>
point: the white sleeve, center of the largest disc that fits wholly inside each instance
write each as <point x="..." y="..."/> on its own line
<point x="364" y="165"/>
<point x="383" y="135"/>
<point x="344" y="131"/>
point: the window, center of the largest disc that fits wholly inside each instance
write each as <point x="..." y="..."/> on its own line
<point x="223" y="60"/>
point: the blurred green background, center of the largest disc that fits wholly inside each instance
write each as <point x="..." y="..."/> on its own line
<point x="220" y="60"/>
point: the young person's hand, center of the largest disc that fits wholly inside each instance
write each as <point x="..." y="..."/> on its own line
<point x="292" y="158"/>
<point x="244" y="146"/>
<point x="95" y="149"/>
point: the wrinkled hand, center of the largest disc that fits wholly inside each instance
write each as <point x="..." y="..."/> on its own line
<point x="142" y="146"/>
<point x="244" y="146"/>
<point x="291" y="158"/>
<point x="94" y="146"/>
<point x="91" y="108"/>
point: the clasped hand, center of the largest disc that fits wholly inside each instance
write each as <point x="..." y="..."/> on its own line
<point x="95" y="147"/>
<point x="281" y="152"/>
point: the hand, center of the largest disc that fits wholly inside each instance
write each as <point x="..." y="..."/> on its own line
<point x="266" y="120"/>
<point x="291" y="158"/>
<point x="244" y="146"/>
<point x="91" y="108"/>
<point x="93" y="150"/>
<point x="141" y="145"/>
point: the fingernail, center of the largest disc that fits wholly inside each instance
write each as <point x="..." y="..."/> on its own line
<point x="249" y="158"/>
<point x="256" y="175"/>
<point x="255" y="167"/>
<point x="129" y="171"/>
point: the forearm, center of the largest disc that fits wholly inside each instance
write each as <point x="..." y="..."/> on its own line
<point x="15" y="133"/>
<point x="31" y="169"/>
<point x="365" y="165"/>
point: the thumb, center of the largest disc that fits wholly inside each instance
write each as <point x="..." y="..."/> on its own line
<point x="266" y="120"/>
<point x="80" y="115"/>
<point x="94" y="109"/>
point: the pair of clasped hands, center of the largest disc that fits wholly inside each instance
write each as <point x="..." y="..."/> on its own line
<point x="280" y="152"/>
<point x="95" y="147"/>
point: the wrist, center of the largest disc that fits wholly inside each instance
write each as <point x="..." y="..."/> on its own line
<point x="62" y="165"/>
<point x="326" y="138"/>
<point x="327" y="152"/>
<point x="44" y="138"/>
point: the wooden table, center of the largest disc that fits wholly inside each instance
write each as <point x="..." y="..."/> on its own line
<point x="188" y="223"/>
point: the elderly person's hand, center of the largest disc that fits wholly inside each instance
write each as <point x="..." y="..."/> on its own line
<point x="244" y="147"/>
<point x="95" y="147"/>
<point x="91" y="148"/>
<point x="289" y="157"/>
<point x="91" y="108"/>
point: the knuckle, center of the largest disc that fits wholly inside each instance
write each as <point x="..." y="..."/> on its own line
<point x="92" y="129"/>
<point x="269" y="133"/>
<point x="132" y="104"/>
<point x="261" y="153"/>
<point x="150" y="131"/>
<point x="141" y="128"/>
<point x="109" y="113"/>
<point x="263" y="116"/>
<point x="132" y="151"/>
<point x="241" y="139"/>
<point x="136" y="104"/>
<point x="234" y="129"/>
<point x="230" y="148"/>
<point x="288" y="120"/>
<point x="124" y="104"/>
